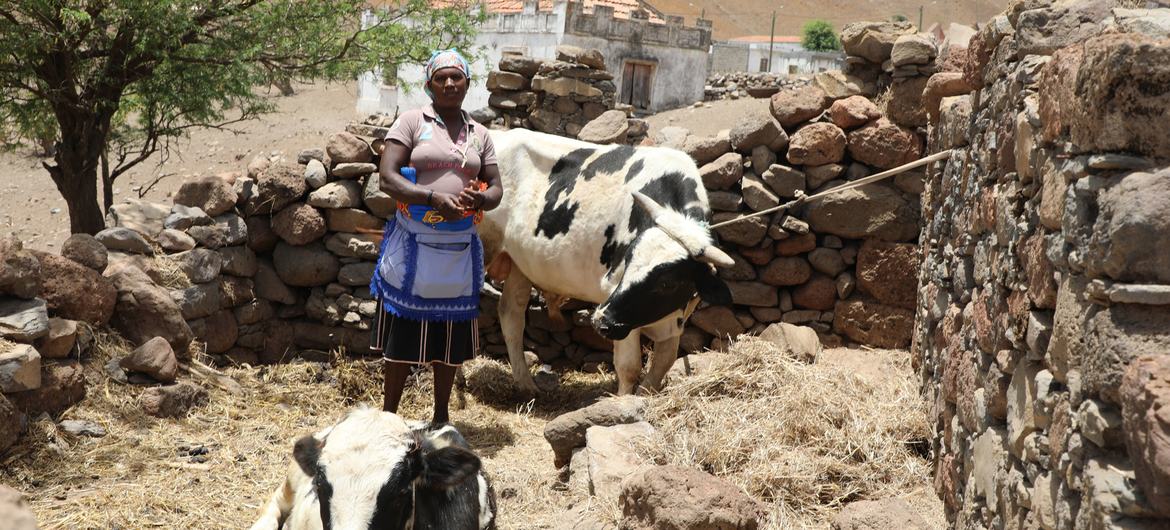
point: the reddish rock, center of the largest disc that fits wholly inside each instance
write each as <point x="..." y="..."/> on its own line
<point x="299" y="224"/>
<point x="817" y="144"/>
<point x="818" y="293"/>
<point x="1145" y="396"/>
<point x="889" y="272"/>
<point x="884" y="145"/>
<point x="261" y="238"/>
<point x="758" y="255"/>
<point x="20" y="272"/>
<point x="676" y="497"/>
<point x="74" y="291"/>
<point x="755" y="130"/>
<point x="853" y="111"/>
<point x="717" y="320"/>
<point x="154" y="358"/>
<point x="220" y="331"/>
<point x="145" y="310"/>
<point x="62" y="386"/>
<point x="871" y="322"/>
<point x="795" y="105"/>
<point x="723" y="173"/>
<point x="344" y="147"/>
<point x="796" y="245"/>
<point x="784" y="271"/>
<point x="1040" y="274"/>
<point x="278" y="185"/>
<point x="941" y="85"/>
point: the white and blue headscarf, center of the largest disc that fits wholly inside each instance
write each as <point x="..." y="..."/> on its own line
<point x="444" y="59"/>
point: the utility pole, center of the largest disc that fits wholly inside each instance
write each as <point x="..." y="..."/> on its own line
<point x="771" y="41"/>
<point x="919" y="18"/>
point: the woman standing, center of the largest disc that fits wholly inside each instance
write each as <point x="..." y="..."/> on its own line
<point x="440" y="166"/>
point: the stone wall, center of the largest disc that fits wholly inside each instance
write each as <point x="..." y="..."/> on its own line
<point x="1043" y="324"/>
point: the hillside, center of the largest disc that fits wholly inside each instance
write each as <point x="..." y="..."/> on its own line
<point x="754" y="17"/>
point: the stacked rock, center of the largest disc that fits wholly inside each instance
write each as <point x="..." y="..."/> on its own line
<point x="744" y="84"/>
<point x="844" y="263"/>
<point x="556" y="97"/>
<point x="1044" y="320"/>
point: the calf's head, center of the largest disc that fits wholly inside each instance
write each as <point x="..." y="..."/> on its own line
<point x="668" y="265"/>
<point x="366" y="469"/>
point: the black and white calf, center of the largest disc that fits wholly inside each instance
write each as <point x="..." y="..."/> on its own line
<point x="623" y="227"/>
<point x="373" y="471"/>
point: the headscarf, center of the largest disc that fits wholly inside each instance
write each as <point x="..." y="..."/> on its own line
<point x="444" y="59"/>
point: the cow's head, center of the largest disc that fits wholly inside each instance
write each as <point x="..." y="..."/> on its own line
<point x="367" y="468"/>
<point x="668" y="264"/>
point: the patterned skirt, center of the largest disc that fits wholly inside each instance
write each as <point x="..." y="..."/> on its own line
<point x="409" y="341"/>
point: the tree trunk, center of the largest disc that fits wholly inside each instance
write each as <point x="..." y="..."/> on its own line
<point x="76" y="177"/>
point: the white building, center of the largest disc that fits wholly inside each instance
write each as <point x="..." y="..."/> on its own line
<point x="751" y="54"/>
<point x="658" y="63"/>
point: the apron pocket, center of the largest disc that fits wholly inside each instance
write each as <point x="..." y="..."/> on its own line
<point x="443" y="266"/>
<point x="392" y="263"/>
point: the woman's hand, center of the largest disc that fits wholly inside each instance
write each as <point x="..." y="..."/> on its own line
<point x="471" y="198"/>
<point x="448" y="205"/>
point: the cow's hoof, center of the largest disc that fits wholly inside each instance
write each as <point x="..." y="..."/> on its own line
<point x="527" y="387"/>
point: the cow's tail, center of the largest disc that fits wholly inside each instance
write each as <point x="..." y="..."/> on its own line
<point x="280" y="504"/>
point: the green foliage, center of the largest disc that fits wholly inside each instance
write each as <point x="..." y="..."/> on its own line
<point x="818" y="36"/>
<point x="899" y="18"/>
<point x="121" y="78"/>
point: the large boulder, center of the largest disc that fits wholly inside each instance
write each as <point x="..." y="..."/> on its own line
<point x="674" y="497"/>
<point x="305" y="266"/>
<point x="1100" y="94"/>
<point x="817" y="144"/>
<point x="612" y="454"/>
<point x="757" y="129"/>
<point x="277" y="185"/>
<point x="74" y="291"/>
<point x="913" y="49"/>
<point x="172" y="401"/>
<point x="213" y="194"/>
<point x="1052" y="26"/>
<point x="299" y="224"/>
<point x="907" y="106"/>
<point x="344" y="147"/>
<point x="340" y="194"/>
<point x="23" y="320"/>
<point x="871" y="322"/>
<point x="567" y="431"/>
<point x="795" y="105"/>
<point x="884" y="145"/>
<point x="13" y="510"/>
<point x="145" y="310"/>
<point x="86" y="250"/>
<point x="939" y="86"/>
<point x="873" y="41"/>
<point x="706" y="149"/>
<point x="1131" y="231"/>
<point x="611" y="127"/>
<point x="1145" y="394"/>
<point x="873" y="211"/>
<point x="889" y="272"/>
<point x="520" y="64"/>
<point x="853" y="111"/>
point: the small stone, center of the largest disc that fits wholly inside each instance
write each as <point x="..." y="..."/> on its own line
<point x="316" y="174"/>
<point x="184" y="217"/>
<point x="172" y="240"/>
<point x="154" y="358"/>
<point x="784" y="180"/>
<point x="173" y="401"/>
<point x="60" y="340"/>
<point x="20" y="369"/>
<point x="82" y="428"/>
<point x="86" y="250"/>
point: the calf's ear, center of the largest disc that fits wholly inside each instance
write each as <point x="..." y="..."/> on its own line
<point x="306" y="452"/>
<point x="448" y="467"/>
<point x="712" y="289"/>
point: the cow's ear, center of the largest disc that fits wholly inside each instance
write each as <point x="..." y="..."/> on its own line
<point x="448" y="467"/>
<point x="306" y="452"/>
<point x="712" y="289"/>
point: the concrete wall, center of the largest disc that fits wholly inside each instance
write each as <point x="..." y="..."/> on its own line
<point x="728" y="57"/>
<point x="1043" y="322"/>
<point x="745" y="57"/>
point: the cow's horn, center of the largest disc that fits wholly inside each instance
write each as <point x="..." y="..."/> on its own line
<point x="711" y="254"/>
<point x="652" y="208"/>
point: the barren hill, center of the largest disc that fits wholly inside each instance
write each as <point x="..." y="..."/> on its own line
<point x="754" y="17"/>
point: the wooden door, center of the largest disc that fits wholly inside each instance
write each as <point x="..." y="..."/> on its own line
<point x="637" y="78"/>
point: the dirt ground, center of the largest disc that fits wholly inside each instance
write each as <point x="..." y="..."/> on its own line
<point x="33" y="210"/>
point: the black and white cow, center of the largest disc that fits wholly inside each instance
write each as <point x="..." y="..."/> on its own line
<point x="373" y="471"/>
<point x="623" y="227"/>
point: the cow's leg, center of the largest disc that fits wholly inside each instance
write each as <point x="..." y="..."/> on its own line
<point x="665" y="353"/>
<point x="627" y="362"/>
<point x="513" y="306"/>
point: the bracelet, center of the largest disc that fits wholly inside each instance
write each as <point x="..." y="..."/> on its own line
<point x="430" y="196"/>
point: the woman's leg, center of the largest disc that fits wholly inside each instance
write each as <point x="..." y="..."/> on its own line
<point x="393" y="383"/>
<point x="444" y="378"/>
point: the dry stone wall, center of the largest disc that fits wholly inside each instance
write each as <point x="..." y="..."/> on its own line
<point x="1043" y="324"/>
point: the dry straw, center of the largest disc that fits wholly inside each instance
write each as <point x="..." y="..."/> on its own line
<point x="801" y="438"/>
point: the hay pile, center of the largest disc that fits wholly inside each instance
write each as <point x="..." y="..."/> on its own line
<point x="804" y="439"/>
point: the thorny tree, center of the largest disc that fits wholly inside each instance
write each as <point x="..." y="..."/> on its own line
<point x="108" y="83"/>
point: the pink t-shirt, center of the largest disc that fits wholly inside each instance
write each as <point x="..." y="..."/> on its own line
<point x="443" y="165"/>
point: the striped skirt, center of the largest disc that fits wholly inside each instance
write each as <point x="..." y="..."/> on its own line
<point x="424" y="342"/>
